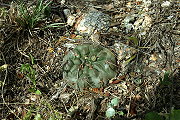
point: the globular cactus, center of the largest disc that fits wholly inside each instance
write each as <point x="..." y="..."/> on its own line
<point x="89" y="66"/>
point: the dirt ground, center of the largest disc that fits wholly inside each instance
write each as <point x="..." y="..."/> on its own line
<point x="143" y="35"/>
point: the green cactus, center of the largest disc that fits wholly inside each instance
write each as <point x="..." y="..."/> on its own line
<point x="89" y="65"/>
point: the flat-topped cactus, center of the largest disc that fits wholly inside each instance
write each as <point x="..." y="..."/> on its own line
<point x="89" y="65"/>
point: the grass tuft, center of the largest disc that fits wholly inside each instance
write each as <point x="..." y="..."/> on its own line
<point x="29" y="17"/>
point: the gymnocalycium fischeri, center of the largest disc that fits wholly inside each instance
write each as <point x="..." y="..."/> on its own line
<point x="89" y="66"/>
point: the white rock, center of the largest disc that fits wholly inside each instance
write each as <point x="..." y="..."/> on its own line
<point x="147" y="3"/>
<point x="71" y="20"/>
<point x="170" y="17"/>
<point x="166" y="4"/>
<point x="67" y="12"/>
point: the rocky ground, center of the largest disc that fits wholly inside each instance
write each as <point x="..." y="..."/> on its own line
<point x="142" y="34"/>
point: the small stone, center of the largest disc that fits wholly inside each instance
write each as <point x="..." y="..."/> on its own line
<point x="67" y="12"/>
<point x="165" y="4"/>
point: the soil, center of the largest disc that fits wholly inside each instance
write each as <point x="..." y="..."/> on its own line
<point x="143" y="35"/>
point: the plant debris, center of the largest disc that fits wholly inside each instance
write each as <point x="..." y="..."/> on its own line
<point x="143" y="36"/>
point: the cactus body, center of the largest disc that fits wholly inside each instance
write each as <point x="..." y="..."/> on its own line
<point x="89" y="65"/>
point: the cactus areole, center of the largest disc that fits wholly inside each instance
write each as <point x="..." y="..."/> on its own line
<point x="89" y="66"/>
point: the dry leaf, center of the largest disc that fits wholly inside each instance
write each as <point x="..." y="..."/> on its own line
<point x="59" y="50"/>
<point x="132" y="109"/>
<point x="129" y="4"/>
<point x="19" y="75"/>
<point x="63" y="38"/>
<point x="50" y="49"/>
<point x="97" y="90"/>
<point x="120" y="79"/>
<point x="109" y="6"/>
<point x="95" y="37"/>
<point x="24" y="113"/>
<point x="106" y="94"/>
<point x="34" y="97"/>
<point x="116" y="81"/>
<point x="71" y="20"/>
<point x="138" y="2"/>
<point x="72" y="36"/>
<point x="178" y="60"/>
<point x="137" y="97"/>
<point x="153" y="57"/>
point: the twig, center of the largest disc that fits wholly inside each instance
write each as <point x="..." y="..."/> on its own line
<point x="2" y="89"/>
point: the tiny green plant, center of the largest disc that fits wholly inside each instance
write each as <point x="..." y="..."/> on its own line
<point x="3" y="14"/>
<point x="28" y="115"/>
<point x="36" y="112"/>
<point x="29" y="17"/>
<point x="135" y="43"/>
<point x="166" y="79"/>
<point x="134" y="40"/>
<point x="173" y="115"/>
<point x="110" y="112"/>
<point x="32" y="114"/>
<point x="37" y="117"/>
<point x="153" y="116"/>
<point x="30" y="74"/>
